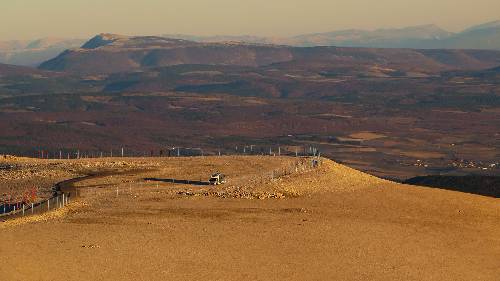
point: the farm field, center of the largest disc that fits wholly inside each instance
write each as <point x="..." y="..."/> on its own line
<point x="275" y="218"/>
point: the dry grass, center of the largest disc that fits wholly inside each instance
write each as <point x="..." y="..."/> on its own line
<point x="333" y="223"/>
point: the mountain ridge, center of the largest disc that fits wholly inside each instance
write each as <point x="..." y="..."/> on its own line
<point x="111" y="53"/>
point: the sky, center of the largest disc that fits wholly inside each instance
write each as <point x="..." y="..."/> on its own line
<point x="30" y="19"/>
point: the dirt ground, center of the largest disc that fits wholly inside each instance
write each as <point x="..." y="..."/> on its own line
<point x="325" y="223"/>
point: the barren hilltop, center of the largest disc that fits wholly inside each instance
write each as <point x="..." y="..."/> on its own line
<point x="276" y="218"/>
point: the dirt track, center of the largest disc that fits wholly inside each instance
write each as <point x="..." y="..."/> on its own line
<point x="333" y="223"/>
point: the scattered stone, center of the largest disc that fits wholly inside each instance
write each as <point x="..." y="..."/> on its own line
<point x="92" y="246"/>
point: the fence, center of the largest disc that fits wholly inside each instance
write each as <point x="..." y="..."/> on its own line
<point x="273" y="150"/>
<point x="22" y="209"/>
<point x="302" y="165"/>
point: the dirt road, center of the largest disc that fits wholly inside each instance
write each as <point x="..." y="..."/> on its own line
<point x="332" y="223"/>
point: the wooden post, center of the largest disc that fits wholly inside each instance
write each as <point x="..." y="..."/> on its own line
<point x="23" y="210"/>
<point x="32" y="208"/>
<point x="48" y="205"/>
<point x="122" y="152"/>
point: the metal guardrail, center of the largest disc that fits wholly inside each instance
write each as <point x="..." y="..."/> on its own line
<point x="19" y="209"/>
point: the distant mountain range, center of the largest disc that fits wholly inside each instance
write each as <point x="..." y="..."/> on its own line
<point x="485" y="37"/>
<point x="32" y="53"/>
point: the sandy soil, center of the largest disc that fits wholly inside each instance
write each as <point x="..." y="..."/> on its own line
<point x="328" y="223"/>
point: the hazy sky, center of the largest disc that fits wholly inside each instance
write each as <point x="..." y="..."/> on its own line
<point x="27" y="19"/>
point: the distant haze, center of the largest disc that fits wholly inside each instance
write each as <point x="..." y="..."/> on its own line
<point x="27" y="19"/>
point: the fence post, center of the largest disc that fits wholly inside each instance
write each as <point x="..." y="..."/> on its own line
<point x="32" y="208"/>
<point x="48" y="204"/>
<point x="23" y="209"/>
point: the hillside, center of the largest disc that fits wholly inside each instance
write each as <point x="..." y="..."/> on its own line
<point x="326" y="223"/>
<point x="395" y="113"/>
<point x="475" y="184"/>
<point x="15" y="70"/>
